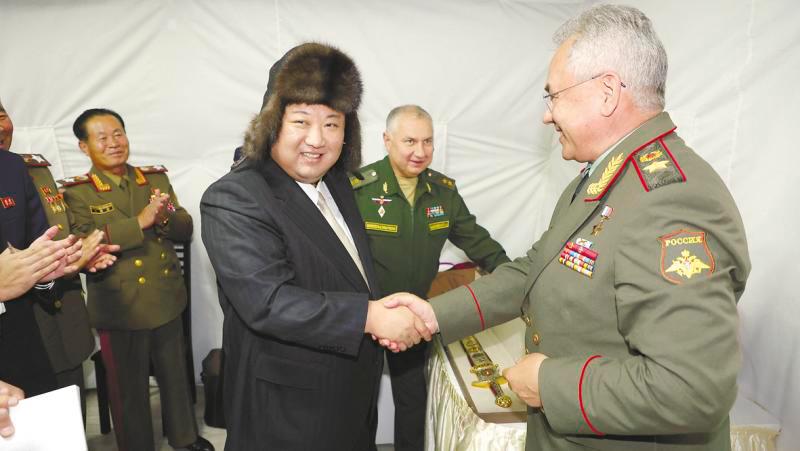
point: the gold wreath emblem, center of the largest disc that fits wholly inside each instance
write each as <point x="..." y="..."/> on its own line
<point x="608" y="173"/>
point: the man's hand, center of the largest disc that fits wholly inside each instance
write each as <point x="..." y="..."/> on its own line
<point x="398" y="325"/>
<point x="523" y="378"/>
<point x="21" y="269"/>
<point x="94" y="255"/>
<point x="9" y="397"/>
<point x="72" y="253"/>
<point x="419" y="306"/>
<point x="104" y="258"/>
<point x="154" y="211"/>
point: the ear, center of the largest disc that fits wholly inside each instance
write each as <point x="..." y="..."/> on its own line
<point x="84" y="148"/>
<point x="612" y="93"/>
<point x="386" y="140"/>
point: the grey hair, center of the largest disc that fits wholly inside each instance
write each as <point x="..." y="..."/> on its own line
<point x="621" y="39"/>
<point x="415" y="110"/>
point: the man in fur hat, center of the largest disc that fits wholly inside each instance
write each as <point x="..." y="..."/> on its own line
<point x="294" y="271"/>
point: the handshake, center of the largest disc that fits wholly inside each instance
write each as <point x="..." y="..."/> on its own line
<point x="401" y="320"/>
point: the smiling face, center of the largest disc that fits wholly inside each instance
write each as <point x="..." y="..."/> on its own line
<point x="409" y="143"/>
<point x="6" y="130"/>
<point x="106" y="143"/>
<point x="572" y="112"/>
<point x="309" y="142"/>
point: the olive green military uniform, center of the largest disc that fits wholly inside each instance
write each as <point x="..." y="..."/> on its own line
<point x="632" y="294"/>
<point x="64" y="325"/>
<point x="406" y="243"/>
<point x="136" y="304"/>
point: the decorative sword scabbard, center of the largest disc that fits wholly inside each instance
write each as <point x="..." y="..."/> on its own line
<point x="486" y="370"/>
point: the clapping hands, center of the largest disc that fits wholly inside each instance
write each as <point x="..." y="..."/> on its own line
<point x="400" y="321"/>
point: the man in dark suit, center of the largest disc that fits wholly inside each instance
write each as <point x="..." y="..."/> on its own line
<point x="64" y="324"/>
<point x="27" y="277"/>
<point x="294" y="271"/>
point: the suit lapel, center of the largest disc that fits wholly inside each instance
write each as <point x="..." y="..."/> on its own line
<point x="308" y="219"/>
<point x="343" y="194"/>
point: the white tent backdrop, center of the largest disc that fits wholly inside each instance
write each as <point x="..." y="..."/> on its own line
<point x="187" y="75"/>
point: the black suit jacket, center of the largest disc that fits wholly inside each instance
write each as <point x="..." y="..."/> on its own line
<point x="23" y="360"/>
<point x="300" y="373"/>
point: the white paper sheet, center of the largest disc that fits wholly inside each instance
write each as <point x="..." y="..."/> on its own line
<point x="47" y="422"/>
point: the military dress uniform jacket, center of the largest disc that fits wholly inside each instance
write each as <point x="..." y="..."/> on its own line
<point x="299" y="371"/>
<point x="144" y="288"/>
<point x="23" y="359"/>
<point x="64" y="326"/>
<point x="406" y="242"/>
<point x="638" y="318"/>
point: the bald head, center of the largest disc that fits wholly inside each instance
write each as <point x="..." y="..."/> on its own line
<point x="411" y="111"/>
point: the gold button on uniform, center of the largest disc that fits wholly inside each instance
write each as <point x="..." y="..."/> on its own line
<point x="163" y="256"/>
<point x="57" y="304"/>
<point x="536" y="339"/>
<point x="142" y="280"/>
<point x="527" y="320"/>
<point x="166" y="271"/>
<point x="159" y="239"/>
<point x="137" y="262"/>
<point x="60" y="227"/>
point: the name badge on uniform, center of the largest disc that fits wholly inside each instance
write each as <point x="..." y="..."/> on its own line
<point x="390" y="228"/>
<point x="438" y="225"/>
<point x="101" y="209"/>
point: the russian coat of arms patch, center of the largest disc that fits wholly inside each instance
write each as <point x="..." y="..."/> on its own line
<point x="684" y="255"/>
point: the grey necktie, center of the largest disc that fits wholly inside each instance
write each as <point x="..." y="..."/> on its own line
<point x="337" y="229"/>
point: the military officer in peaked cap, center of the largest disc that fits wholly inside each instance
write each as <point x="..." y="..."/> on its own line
<point x="136" y="305"/>
<point x="409" y="212"/>
<point x="629" y="297"/>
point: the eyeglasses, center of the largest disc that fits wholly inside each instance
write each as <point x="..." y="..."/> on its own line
<point x="550" y="98"/>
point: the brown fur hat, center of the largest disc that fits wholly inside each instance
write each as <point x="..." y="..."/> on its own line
<point x="310" y="73"/>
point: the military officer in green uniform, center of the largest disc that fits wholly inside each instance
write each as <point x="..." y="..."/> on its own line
<point x="64" y="323"/>
<point x="629" y="297"/>
<point x="65" y="328"/>
<point x="409" y="211"/>
<point x="136" y="305"/>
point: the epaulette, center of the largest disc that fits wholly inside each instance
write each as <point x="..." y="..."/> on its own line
<point x="363" y="177"/>
<point x="654" y="164"/>
<point x="157" y="169"/>
<point x="73" y="181"/>
<point x="35" y="160"/>
<point x="440" y="179"/>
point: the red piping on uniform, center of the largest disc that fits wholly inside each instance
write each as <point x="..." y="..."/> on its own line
<point x="113" y="381"/>
<point x="630" y="156"/>
<point x="580" y="396"/>
<point x="477" y="306"/>
<point x="674" y="161"/>
<point x="641" y="177"/>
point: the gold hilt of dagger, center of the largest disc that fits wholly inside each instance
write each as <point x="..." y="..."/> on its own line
<point x="489" y="378"/>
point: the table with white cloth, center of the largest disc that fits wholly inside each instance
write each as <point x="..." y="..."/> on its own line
<point x="453" y="424"/>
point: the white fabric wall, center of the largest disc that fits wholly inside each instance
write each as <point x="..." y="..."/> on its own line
<point x="187" y="75"/>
